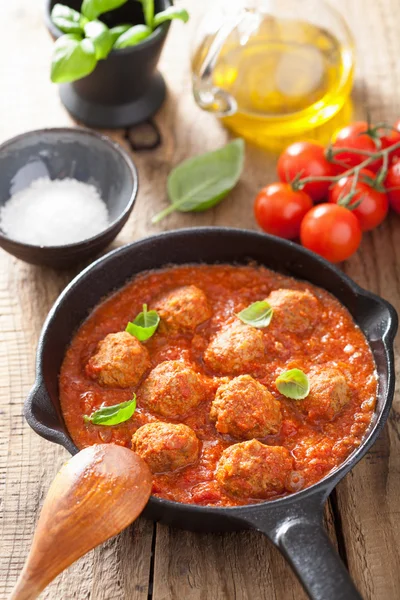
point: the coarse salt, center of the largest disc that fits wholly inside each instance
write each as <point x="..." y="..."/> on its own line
<point x="54" y="213"/>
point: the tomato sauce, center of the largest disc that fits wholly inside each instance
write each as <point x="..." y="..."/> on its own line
<point x="317" y="447"/>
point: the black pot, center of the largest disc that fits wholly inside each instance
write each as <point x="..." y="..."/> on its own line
<point x="125" y="88"/>
<point x="293" y="523"/>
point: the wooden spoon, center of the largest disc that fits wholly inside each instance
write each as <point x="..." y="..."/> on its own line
<point x="94" y="496"/>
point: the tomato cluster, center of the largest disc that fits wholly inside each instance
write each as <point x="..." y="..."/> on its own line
<point x="328" y="197"/>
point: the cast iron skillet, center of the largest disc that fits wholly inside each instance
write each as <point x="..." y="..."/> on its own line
<point x="294" y="523"/>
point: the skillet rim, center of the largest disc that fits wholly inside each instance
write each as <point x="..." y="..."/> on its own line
<point x="326" y="485"/>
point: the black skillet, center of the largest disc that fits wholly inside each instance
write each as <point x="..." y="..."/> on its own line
<point x="294" y="523"/>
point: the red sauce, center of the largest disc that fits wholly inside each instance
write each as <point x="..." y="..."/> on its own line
<point x="317" y="447"/>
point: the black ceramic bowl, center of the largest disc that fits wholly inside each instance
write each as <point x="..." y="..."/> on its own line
<point x="125" y="88"/>
<point x="79" y="154"/>
<point x="293" y="523"/>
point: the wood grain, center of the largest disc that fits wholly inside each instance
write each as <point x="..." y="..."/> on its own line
<point x="243" y="566"/>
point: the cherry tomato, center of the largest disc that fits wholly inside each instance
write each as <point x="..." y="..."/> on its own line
<point x="390" y="138"/>
<point x="353" y="136"/>
<point x="307" y="160"/>
<point x="373" y="206"/>
<point x="279" y="209"/>
<point x="392" y="184"/>
<point x="331" y="231"/>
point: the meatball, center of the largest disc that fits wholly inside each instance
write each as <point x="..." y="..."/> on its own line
<point x="329" y="393"/>
<point x="245" y="409"/>
<point x="252" y="469"/>
<point x="183" y="309"/>
<point x="295" y="311"/>
<point x="236" y="350"/>
<point x="120" y="361"/>
<point x="165" y="446"/>
<point x="171" y="389"/>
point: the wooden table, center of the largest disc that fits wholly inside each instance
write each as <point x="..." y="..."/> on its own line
<point x="154" y="561"/>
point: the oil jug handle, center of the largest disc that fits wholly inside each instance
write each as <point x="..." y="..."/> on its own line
<point x="208" y="96"/>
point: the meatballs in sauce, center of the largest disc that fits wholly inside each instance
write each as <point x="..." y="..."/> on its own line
<point x="209" y="418"/>
<point x="171" y="390"/>
<point x="244" y="409"/>
<point x="183" y="309"/>
<point x="119" y="361"/>
<point x="166" y="446"/>
<point x="253" y="470"/>
<point x="236" y="349"/>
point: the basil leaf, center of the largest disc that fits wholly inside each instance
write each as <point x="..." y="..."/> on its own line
<point x="101" y="38"/>
<point x="133" y="36"/>
<point x="94" y="8"/>
<point x="172" y="12"/>
<point x="67" y="19"/>
<point x="148" y="11"/>
<point x="145" y="324"/>
<point x="117" y="31"/>
<point x="258" y="314"/>
<point x="293" y="384"/>
<point x="202" y="182"/>
<point x="73" y="58"/>
<point x="112" y="415"/>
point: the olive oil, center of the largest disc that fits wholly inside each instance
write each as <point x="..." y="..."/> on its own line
<point x="287" y="78"/>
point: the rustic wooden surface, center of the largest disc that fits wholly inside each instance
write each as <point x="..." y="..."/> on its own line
<point x="150" y="561"/>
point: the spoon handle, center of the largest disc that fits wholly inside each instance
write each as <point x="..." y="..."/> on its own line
<point x="25" y="588"/>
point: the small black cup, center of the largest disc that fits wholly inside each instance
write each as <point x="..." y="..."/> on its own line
<point x="79" y="154"/>
<point x="125" y="88"/>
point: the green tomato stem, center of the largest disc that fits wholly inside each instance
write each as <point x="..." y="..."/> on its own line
<point x="371" y="157"/>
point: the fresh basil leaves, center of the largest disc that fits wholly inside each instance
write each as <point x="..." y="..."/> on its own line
<point x="92" y="9"/>
<point x="202" y="182"/>
<point x="67" y="19"/>
<point x="132" y="36"/>
<point x="101" y="37"/>
<point x="74" y="58"/>
<point x="148" y="11"/>
<point x="172" y="12"/>
<point x="293" y="384"/>
<point x="258" y="314"/>
<point x="145" y="324"/>
<point x="112" y="415"/>
<point x="118" y="30"/>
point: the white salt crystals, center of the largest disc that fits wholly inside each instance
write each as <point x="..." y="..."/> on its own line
<point x="54" y="213"/>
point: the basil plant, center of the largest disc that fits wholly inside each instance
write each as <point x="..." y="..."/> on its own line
<point x="87" y="39"/>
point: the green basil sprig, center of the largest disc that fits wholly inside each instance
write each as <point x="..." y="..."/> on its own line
<point x="202" y="182"/>
<point x="293" y="384"/>
<point x="148" y="11"/>
<point x="73" y="58"/>
<point x="92" y="9"/>
<point x="132" y="36"/>
<point x="115" y="32"/>
<point x="145" y="324"/>
<point x="112" y="415"/>
<point x="170" y="13"/>
<point x="101" y="37"/>
<point x="67" y="19"/>
<point x="258" y="314"/>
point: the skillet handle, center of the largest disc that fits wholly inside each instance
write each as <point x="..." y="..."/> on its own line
<point x="309" y="551"/>
<point x="295" y="526"/>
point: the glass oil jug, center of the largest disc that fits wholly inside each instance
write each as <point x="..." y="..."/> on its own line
<point x="274" y="70"/>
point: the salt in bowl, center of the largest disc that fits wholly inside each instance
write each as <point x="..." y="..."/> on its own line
<point x="74" y="153"/>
